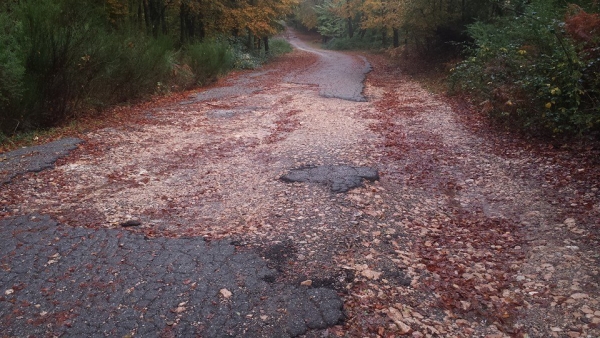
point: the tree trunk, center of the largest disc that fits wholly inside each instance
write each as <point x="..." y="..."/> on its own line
<point x="154" y="16"/>
<point x="266" y="43"/>
<point x="201" y="30"/>
<point x="163" y="19"/>
<point x="350" y="28"/>
<point x="147" y="16"/>
<point x="396" y="38"/>
<point x="182" y="24"/>
<point x="250" y="42"/>
<point x="140" y="14"/>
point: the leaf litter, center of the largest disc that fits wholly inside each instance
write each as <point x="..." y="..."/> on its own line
<point x="469" y="232"/>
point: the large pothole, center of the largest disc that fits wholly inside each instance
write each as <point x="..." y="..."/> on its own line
<point x="339" y="178"/>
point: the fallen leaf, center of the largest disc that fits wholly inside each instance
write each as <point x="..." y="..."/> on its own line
<point x="307" y="282"/>
<point x="397" y="317"/>
<point x="371" y="274"/>
<point x="225" y="293"/>
<point x="179" y="309"/>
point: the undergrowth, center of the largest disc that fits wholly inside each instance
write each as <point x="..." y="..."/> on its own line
<point x="60" y="59"/>
<point x="536" y="71"/>
<point x="357" y="42"/>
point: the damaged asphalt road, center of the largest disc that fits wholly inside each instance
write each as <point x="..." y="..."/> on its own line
<point x="61" y="280"/>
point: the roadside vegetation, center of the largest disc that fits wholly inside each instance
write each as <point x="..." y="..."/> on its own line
<point x="60" y="59"/>
<point x="531" y="65"/>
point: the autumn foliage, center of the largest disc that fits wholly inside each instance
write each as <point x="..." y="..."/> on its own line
<point x="422" y="25"/>
<point x="537" y="70"/>
<point x="60" y="58"/>
<point x="583" y="27"/>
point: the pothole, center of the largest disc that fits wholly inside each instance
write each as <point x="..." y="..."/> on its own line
<point x="339" y="178"/>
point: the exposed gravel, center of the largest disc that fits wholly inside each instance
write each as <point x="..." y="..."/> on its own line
<point x="466" y="233"/>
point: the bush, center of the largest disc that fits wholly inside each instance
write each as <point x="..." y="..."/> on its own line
<point x="529" y="73"/>
<point x="132" y="65"/>
<point x="61" y="57"/>
<point x="369" y="42"/>
<point x="252" y="59"/>
<point x="279" y="46"/>
<point x="209" y="59"/>
<point x="12" y="71"/>
<point x="53" y="39"/>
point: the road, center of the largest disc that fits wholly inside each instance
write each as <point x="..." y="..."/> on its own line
<point x="301" y="199"/>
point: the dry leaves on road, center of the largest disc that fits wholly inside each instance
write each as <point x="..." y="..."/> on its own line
<point x="468" y="232"/>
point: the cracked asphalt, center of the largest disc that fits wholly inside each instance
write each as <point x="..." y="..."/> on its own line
<point x="339" y="178"/>
<point x="66" y="280"/>
<point x="34" y="159"/>
<point x="337" y="75"/>
<point x="62" y="280"/>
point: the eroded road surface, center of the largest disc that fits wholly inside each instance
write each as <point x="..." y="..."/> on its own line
<point x="300" y="200"/>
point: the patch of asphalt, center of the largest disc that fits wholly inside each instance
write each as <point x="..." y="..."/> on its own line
<point x="246" y="84"/>
<point x="34" y="159"/>
<point x="340" y="178"/>
<point x="228" y="113"/>
<point x="338" y="75"/>
<point x="59" y="280"/>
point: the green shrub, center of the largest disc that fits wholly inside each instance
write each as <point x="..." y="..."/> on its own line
<point x="12" y="71"/>
<point x="252" y="59"/>
<point x="61" y="57"/>
<point x="132" y="65"/>
<point x="53" y="39"/>
<point x="209" y="59"/>
<point x="525" y="70"/>
<point x="279" y="46"/>
<point x="357" y="42"/>
<point x="71" y="59"/>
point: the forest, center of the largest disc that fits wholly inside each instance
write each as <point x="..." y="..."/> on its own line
<point x="59" y="58"/>
<point x="533" y="65"/>
<point x="529" y="64"/>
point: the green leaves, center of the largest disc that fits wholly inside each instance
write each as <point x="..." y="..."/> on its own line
<point x="11" y="64"/>
<point x="330" y="24"/>
<point x="532" y="63"/>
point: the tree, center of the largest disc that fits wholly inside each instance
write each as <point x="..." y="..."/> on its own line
<point x="260" y="18"/>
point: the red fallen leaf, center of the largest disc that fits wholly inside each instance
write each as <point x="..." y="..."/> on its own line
<point x="337" y="331"/>
<point x="18" y="287"/>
